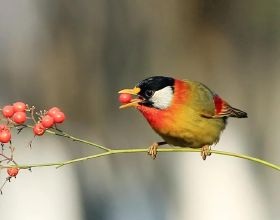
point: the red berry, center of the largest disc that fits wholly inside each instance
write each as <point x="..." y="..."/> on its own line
<point x="125" y="98"/>
<point x="19" y="117"/>
<point x="39" y="129"/>
<point x="12" y="171"/>
<point x="47" y="121"/>
<point x="5" y="136"/>
<point x="53" y="111"/>
<point x="19" y="107"/>
<point x="59" y="117"/>
<point x="8" y="111"/>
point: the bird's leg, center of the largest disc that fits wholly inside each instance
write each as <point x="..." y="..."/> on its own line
<point x="205" y="151"/>
<point x="153" y="149"/>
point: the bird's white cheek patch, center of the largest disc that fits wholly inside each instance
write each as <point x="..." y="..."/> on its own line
<point x="162" y="98"/>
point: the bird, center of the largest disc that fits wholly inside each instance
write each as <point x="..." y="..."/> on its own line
<point x="184" y="113"/>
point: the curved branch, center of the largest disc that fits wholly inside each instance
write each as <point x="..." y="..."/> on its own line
<point x="108" y="151"/>
<point x="144" y="150"/>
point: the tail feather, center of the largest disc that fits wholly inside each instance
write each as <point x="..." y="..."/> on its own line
<point x="234" y="112"/>
<point x="223" y="109"/>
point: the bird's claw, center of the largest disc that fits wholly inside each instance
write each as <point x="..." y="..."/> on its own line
<point x="205" y="151"/>
<point x="152" y="151"/>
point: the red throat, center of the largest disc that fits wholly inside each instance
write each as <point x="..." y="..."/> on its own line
<point x="159" y="118"/>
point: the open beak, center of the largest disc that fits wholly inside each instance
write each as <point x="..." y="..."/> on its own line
<point x="133" y="102"/>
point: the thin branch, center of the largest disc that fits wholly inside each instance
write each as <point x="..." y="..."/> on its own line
<point x="108" y="151"/>
<point x="144" y="150"/>
<point x="66" y="135"/>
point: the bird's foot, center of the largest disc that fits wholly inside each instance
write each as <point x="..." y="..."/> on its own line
<point x="152" y="151"/>
<point x="205" y="151"/>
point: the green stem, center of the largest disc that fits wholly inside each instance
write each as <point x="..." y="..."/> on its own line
<point x="144" y="150"/>
<point x="66" y="135"/>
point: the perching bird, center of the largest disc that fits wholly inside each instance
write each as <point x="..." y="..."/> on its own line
<point x="184" y="113"/>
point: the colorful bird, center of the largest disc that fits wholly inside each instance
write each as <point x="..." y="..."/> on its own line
<point x="184" y="113"/>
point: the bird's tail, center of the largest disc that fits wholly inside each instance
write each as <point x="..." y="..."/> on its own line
<point x="236" y="113"/>
<point x="223" y="109"/>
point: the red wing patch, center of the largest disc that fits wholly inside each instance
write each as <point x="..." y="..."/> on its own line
<point x="223" y="109"/>
<point x="218" y="104"/>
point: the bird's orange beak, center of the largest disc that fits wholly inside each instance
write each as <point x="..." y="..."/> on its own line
<point x="133" y="102"/>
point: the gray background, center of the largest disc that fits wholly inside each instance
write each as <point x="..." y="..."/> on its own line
<point x="78" y="54"/>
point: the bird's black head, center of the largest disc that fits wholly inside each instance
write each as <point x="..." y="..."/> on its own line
<point x="156" y="91"/>
<point x="152" y="84"/>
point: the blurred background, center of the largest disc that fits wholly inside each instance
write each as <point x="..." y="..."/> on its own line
<point x="78" y="54"/>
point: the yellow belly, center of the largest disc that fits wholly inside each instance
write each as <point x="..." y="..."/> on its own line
<point x="194" y="131"/>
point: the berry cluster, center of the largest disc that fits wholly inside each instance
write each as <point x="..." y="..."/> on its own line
<point x="15" y="113"/>
<point x="52" y="117"/>
<point x="16" y="117"/>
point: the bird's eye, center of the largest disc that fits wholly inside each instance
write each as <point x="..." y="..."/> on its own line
<point x="149" y="93"/>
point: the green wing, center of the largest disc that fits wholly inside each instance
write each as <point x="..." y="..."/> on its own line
<point x="202" y="99"/>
